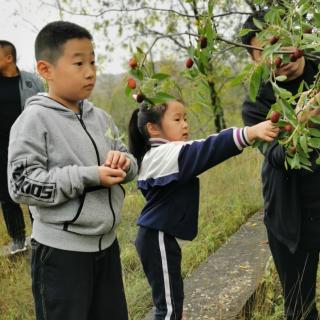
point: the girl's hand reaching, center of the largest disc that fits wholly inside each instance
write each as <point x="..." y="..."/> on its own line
<point x="266" y="131"/>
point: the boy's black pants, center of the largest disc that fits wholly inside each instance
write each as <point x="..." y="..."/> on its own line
<point x="160" y="256"/>
<point x="298" y="275"/>
<point x="12" y="212"/>
<point x="69" y="285"/>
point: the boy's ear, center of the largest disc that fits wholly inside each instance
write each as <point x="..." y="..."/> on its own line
<point x="45" y="69"/>
<point x="9" y="58"/>
<point x="153" y="129"/>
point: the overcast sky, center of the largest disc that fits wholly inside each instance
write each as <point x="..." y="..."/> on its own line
<point x="21" y="20"/>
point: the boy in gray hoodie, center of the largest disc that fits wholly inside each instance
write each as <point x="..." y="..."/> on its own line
<point x="66" y="162"/>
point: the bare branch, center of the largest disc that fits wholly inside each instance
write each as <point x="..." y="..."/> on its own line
<point x="251" y="5"/>
<point x="101" y="13"/>
<point x="161" y="36"/>
<point x="59" y="7"/>
<point x="196" y="14"/>
<point x="33" y="27"/>
<point x="183" y="7"/>
<point x="189" y="27"/>
<point x="230" y="13"/>
<point x="170" y="36"/>
<point x="308" y="55"/>
<point x="195" y="9"/>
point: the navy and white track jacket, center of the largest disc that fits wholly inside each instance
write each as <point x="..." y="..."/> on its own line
<point x="168" y="179"/>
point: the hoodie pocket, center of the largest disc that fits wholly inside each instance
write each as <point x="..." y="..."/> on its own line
<point x="100" y="212"/>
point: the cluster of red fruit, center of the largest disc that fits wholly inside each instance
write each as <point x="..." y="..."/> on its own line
<point x="274" y="118"/>
<point x="132" y="84"/>
<point x="297" y="53"/>
<point x="203" y="43"/>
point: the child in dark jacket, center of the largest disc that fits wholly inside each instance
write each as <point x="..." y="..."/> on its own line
<point x="168" y="168"/>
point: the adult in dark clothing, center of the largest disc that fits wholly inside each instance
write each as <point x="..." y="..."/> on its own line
<point x="291" y="197"/>
<point x="15" y="87"/>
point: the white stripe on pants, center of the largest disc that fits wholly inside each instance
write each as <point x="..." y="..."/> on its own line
<point x="165" y="275"/>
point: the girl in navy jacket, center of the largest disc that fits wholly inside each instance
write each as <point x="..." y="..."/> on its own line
<point x="168" y="168"/>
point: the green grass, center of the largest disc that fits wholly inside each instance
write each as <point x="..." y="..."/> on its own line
<point x="267" y="302"/>
<point x="230" y="193"/>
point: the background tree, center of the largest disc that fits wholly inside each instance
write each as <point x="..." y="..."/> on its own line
<point x="168" y="27"/>
<point x="208" y="32"/>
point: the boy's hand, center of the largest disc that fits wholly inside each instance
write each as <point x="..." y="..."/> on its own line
<point x="117" y="160"/>
<point x="109" y="177"/>
<point x="265" y="130"/>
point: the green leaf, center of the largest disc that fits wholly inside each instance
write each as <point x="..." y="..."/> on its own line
<point x="283" y="93"/>
<point x="210" y="33"/>
<point x="318" y="161"/>
<point x="137" y="73"/>
<point x="270" y="49"/>
<point x="192" y="73"/>
<point x="303" y="143"/>
<point x="287" y="110"/>
<point x="304" y="160"/>
<point x="286" y="163"/>
<point x="289" y="161"/>
<point x="314" y="132"/>
<point x="238" y="79"/>
<point x="128" y="91"/>
<point x="191" y="52"/>
<point x="140" y="50"/>
<point x="255" y="82"/>
<point x="314" y="143"/>
<point x="315" y="120"/>
<point x="270" y="16"/>
<point x="241" y="76"/>
<point x="310" y="37"/>
<point x="265" y="72"/>
<point x="304" y="8"/>
<point x="210" y="7"/>
<point x="295" y="162"/>
<point x="281" y="78"/>
<point x="204" y="59"/>
<point x="244" y="31"/>
<point x="316" y="18"/>
<point x="301" y="87"/>
<point x="160" y="76"/>
<point x="258" y="24"/>
<point x="273" y="16"/>
<point x="162" y="97"/>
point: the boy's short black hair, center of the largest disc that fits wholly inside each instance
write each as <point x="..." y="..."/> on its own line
<point x="249" y="24"/>
<point x="9" y="46"/>
<point x="51" y="39"/>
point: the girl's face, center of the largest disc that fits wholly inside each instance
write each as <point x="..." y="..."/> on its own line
<point x="174" y="126"/>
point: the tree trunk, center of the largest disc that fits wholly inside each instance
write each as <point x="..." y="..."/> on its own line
<point x="219" y="120"/>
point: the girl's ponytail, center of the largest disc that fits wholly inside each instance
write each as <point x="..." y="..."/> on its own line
<point x="138" y="143"/>
<point x="138" y="133"/>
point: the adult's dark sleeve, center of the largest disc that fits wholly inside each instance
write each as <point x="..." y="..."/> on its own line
<point x="256" y="112"/>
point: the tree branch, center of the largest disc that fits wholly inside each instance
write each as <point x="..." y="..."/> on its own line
<point x="196" y="15"/>
<point x="161" y="36"/>
<point x="101" y="13"/>
<point x="230" y="13"/>
<point x="308" y="55"/>
<point x="169" y="36"/>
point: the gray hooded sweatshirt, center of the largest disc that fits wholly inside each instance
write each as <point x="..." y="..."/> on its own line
<point x="53" y="163"/>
